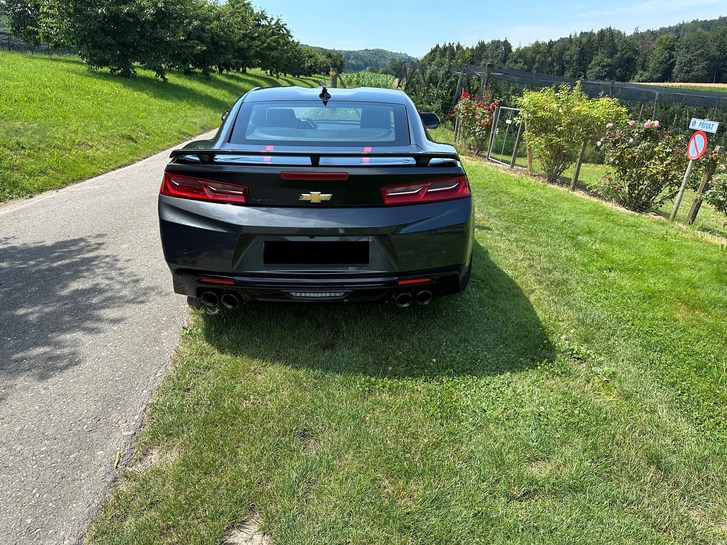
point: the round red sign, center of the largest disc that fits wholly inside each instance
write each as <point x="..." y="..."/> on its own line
<point x="697" y="145"/>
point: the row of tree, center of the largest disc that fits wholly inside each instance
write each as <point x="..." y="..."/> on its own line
<point x="689" y="52"/>
<point x="160" y="35"/>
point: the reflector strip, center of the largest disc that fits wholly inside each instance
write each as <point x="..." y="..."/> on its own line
<point x="217" y="281"/>
<point x="414" y="281"/>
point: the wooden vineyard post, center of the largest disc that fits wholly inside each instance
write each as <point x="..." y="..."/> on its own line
<point x="518" y="138"/>
<point x="577" y="170"/>
<point x="334" y="78"/>
<point x="695" y="149"/>
<point x="706" y="178"/>
<point x="528" y="150"/>
<point x="678" y="201"/>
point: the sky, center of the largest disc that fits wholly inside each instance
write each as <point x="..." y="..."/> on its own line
<point x="415" y="26"/>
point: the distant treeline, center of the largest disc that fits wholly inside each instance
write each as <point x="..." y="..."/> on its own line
<point x="688" y="52"/>
<point x="160" y="35"/>
<point x="374" y="59"/>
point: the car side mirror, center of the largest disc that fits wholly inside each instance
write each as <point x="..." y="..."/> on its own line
<point x="429" y="119"/>
<point x="225" y="115"/>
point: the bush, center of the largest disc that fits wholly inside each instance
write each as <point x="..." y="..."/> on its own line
<point x="717" y="193"/>
<point x="647" y="164"/>
<point x="558" y="121"/>
<point x="475" y="119"/>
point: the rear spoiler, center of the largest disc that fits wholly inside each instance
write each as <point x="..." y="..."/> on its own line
<point x="208" y="155"/>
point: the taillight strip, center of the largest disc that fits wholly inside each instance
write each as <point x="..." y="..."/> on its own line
<point x="442" y="189"/>
<point x="189" y="187"/>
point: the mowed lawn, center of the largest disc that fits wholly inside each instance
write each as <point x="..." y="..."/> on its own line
<point x="61" y="122"/>
<point x="575" y="394"/>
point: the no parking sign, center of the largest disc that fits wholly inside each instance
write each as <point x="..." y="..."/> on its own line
<point x="697" y="145"/>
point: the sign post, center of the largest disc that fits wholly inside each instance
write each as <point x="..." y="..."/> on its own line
<point x="695" y="149"/>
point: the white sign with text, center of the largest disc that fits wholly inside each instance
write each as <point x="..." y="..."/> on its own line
<point x="704" y="125"/>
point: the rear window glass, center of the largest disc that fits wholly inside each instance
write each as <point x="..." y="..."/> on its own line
<point x="306" y="123"/>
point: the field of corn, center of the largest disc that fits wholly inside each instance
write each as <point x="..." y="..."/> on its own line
<point x="366" y="79"/>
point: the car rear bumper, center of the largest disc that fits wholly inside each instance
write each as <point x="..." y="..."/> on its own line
<point x="300" y="290"/>
<point x="222" y="248"/>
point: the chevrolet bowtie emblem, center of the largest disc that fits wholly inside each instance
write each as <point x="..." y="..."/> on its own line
<point x="316" y="197"/>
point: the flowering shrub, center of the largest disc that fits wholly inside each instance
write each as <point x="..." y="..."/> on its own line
<point x="647" y="164"/>
<point x="559" y="120"/>
<point x="475" y="118"/>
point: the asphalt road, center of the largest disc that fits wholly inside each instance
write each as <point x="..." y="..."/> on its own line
<point x="88" y="322"/>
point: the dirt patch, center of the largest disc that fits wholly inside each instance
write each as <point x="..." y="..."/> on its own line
<point x="310" y="441"/>
<point x="247" y="533"/>
<point x="154" y="457"/>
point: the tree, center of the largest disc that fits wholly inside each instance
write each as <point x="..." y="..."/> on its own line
<point x="23" y="17"/>
<point x="694" y="58"/>
<point x="661" y="62"/>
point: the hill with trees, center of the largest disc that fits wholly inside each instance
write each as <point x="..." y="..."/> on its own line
<point x="376" y="59"/>
<point x="693" y="51"/>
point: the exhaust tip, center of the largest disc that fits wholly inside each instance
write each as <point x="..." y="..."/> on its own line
<point x="210" y="299"/>
<point x="404" y="299"/>
<point x="424" y="297"/>
<point x="230" y="300"/>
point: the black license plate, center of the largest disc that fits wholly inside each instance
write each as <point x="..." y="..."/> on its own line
<point x="284" y="252"/>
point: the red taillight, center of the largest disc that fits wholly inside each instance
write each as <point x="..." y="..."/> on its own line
<point x="188" y="187"/>
<point x="443" y="189"/>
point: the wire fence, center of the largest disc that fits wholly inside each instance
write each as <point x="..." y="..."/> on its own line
<point x="630" y="92"/>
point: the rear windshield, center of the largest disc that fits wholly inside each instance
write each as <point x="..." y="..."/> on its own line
<point x="306" y="123"/>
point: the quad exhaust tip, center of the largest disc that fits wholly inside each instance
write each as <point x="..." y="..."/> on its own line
<point x="230" y="300"/>
<point x="403" y="299"/>
<point x="424" y="297"/>
<point x="210" y="299"/>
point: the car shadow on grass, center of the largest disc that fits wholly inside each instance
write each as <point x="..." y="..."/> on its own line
<point x="51" y="293"/>
<point x="491" y="328"/>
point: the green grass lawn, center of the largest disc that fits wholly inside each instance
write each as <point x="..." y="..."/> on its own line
<point x="574" y="394"/>
<point x="61" y="122"/>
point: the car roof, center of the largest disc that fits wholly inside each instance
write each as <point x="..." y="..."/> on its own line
<point x="358" y="94"/>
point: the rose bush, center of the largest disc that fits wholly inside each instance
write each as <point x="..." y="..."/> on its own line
<point x="474" y="117"/>
<point x="717" y="193"/>
<point x="646" y="164"/>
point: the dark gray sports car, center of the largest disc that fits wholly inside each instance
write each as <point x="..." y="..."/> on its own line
<point x="318" y="195"/>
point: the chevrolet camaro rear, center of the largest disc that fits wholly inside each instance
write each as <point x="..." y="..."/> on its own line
<point x="315" y="195"/>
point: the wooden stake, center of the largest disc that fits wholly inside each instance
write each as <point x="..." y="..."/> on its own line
<point x="706" y="178"/>
<point x="577" y="170"/>
<point x="680" y="195"/>
<point x="529" y="151"/>
<point x="517" y="144"/>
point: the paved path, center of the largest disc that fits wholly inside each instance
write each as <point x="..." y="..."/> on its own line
<point x="88" y="321"/>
